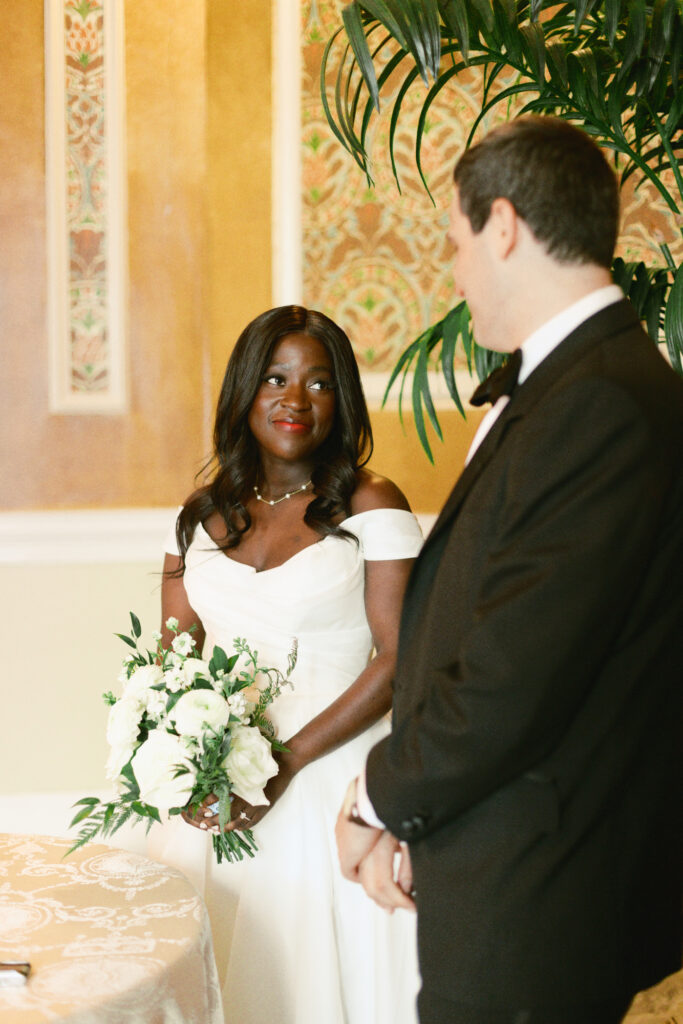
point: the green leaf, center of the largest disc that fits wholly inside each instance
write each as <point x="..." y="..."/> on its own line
<point x="533" y="44"/>
<point x="127" y="773"/>
<point x="454" y="12"/>
<point x="635" y="34"/>
<point x="137" y="628"/>
<point x="612" y="12"/>
<point x="422" y="120"/>
<point x="451" y="326"/>
<point x="354" y="29"/>
<point x="673" y="321"/>
<point x="484" y="9"/>
<point x="89" y="805"/>
<point x="219" y="661"/>
<point x="415" y="26"/>
<point x="383" y="12"/>
<point x="127" y="640"/>
<point x="323" y="95"/>
<point x="557" y="62"/>
<point x="583" y="8"/>
<point x="409" y="79"/>
<point x="421" y="382"/>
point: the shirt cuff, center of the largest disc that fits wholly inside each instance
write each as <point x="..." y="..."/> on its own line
<point x="364" y="804"/>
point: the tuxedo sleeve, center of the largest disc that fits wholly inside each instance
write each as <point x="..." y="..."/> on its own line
<point x="579" y="491"/>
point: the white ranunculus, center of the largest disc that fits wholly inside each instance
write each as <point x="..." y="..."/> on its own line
<point x="141" y="680"/>
<point x="198" y="710"/>
<point x="172" y="623"/>
<point x="155" y="764"/>
<point x="249" y="764"/>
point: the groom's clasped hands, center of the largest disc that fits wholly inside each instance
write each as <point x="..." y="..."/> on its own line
<point x="376" y="859"/>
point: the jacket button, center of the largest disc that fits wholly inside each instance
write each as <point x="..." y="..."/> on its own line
<point x="411" y="826"/>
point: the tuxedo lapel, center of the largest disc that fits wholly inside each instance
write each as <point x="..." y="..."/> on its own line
<point x="611" y="320"/>
<point x="615" y="318"/>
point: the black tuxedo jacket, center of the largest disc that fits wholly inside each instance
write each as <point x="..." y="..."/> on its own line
<point x="535" y="761"/>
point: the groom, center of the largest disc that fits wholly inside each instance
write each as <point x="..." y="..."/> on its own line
<point x="535" y="768"/>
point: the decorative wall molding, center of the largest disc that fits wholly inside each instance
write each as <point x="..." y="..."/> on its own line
<point x="93" y="537"/>
<point x="286" y="161"/>
<point x="86" y="205"/>
<point x="84" y="537"/>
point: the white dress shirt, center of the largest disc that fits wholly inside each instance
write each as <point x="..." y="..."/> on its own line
<point x="535" y="349"/>
<point x="542" y="342"/>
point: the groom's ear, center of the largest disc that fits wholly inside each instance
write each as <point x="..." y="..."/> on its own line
<point x="503" y="227"/>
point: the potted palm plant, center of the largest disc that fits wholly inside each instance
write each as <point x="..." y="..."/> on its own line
<point x="613" y="67"/>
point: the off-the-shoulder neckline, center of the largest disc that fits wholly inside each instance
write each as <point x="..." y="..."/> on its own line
<point x="296" y="554"/>
<point x="372" y="511"/>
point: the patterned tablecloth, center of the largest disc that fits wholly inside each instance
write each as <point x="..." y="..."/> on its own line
<point x="112" y="937"/>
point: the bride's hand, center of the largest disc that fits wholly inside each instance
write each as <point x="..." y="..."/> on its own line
<point x="242" y="814"/>
<point x="203" y="817"/>
<point x="245" y="815"/>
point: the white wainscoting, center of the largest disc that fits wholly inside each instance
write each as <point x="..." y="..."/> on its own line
<point x="84" y="537"/>
<point x="93" y="537"/>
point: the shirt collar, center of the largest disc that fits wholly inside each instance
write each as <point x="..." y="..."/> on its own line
<point x="547" y="337"/>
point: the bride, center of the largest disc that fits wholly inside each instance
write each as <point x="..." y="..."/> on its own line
<point x="294" y="539"/>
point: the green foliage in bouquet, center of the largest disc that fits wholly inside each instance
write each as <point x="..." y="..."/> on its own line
<point x="612" y="67"/>
<point x="173" y="733"/>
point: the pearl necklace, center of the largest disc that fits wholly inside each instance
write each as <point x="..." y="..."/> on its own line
<point x="276" y="501"/>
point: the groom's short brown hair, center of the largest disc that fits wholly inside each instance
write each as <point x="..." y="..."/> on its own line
<point x="557" y="179"/>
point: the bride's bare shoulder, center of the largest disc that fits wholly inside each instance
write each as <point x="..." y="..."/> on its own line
<point x="375" y="491"/>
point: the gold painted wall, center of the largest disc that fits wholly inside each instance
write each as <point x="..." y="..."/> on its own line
<point x="198" y="149"/>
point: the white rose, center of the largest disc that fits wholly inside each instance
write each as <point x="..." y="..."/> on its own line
<point x="141" y="680"/>
<point x="198" y="710"/>
<point x="155" y="764"/>
<point x="249" y="764"/>
<point x="123" y="723"/>
<point x="183" y="643"/>
<point x="172" y="623"/>
<point x="118" y="757"/>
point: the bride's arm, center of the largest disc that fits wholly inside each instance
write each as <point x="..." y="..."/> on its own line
<point x="175" y="604"/>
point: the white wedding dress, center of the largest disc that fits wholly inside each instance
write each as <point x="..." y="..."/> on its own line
<point x="296" y="943"/>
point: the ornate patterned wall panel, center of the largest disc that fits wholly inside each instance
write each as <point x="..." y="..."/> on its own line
<point x="86" y="204"/>
<point x="377" y="261"/>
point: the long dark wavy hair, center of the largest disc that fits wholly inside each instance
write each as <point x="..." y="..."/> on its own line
<point x="235" y="457"/>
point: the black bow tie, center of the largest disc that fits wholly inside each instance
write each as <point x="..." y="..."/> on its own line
<point x="501" y="382"/>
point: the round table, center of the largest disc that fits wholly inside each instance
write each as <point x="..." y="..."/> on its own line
<point x="112" y="937"/>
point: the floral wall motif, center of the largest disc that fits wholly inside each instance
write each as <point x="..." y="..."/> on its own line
<point x="85" y="199"/>
<point x="376" y="260"/>
<point x="86" y="194"/>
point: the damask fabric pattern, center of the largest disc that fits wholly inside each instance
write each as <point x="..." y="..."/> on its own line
<point x="113" y="938"/>
<point x="662" y="1004"/>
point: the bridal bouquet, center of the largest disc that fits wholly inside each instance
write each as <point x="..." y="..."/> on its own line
<point x="182" y="729"/>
